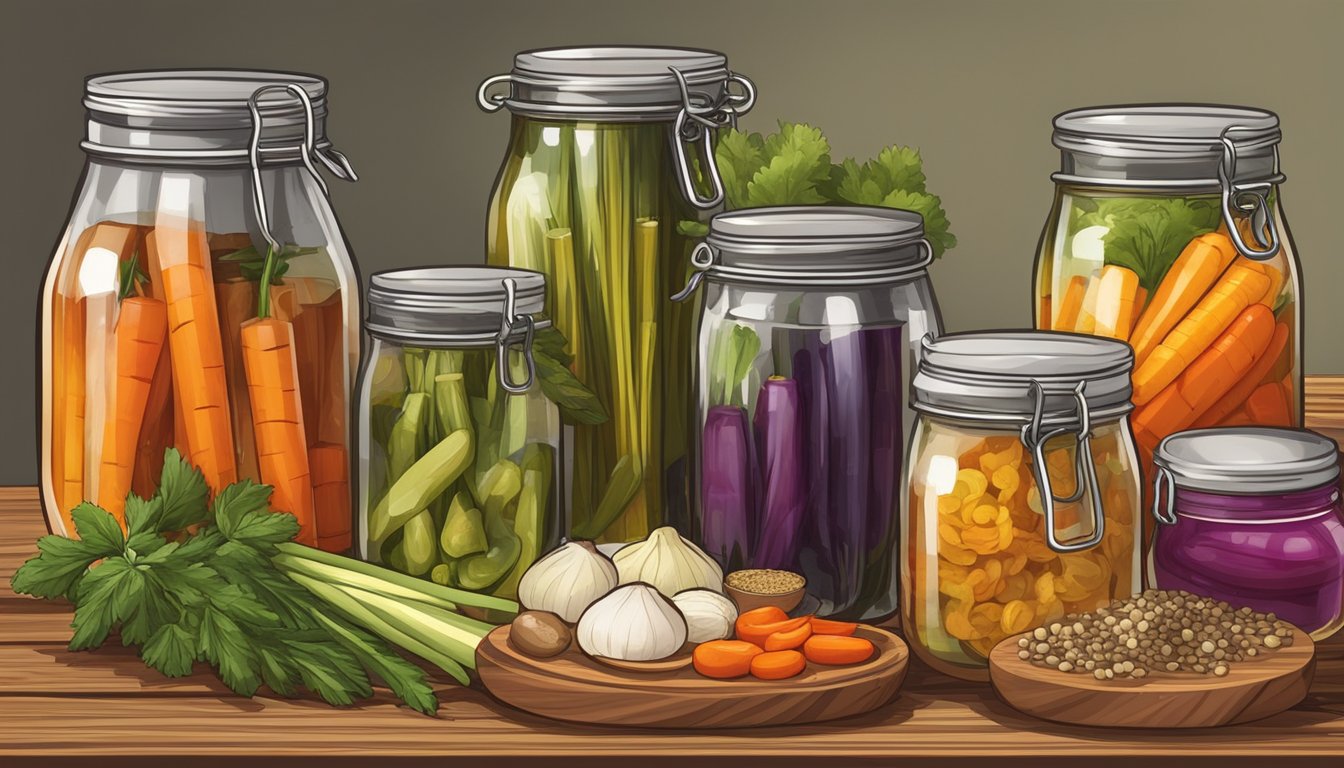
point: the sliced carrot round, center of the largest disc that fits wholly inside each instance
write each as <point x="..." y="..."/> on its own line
<point x="788" y="639"/>
<point x="833" y="650"/>
<point x="778" y="665"/>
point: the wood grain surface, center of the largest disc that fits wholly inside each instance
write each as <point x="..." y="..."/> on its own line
<point x="575" y="688"/>
<point x="60" y="708"/>
<point x="1251" y="690"/>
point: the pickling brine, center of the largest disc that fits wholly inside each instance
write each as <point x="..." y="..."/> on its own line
<point x="176" y="317"/>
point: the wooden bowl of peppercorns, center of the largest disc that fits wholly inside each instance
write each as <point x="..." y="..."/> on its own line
<point x="760" y="587"/>
<point x="1160" y="659"/>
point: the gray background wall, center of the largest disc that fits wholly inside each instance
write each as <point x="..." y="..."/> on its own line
<point x="973" y="83"/>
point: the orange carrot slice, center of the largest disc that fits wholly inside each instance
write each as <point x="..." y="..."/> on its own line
<point x="724" y="659"/>
<point x="331" y="496"/>
<point x="833" y="650"/>
<point x="829" y="627"/>
<point x="757" y="633"/>
<point x="788" y="639"/>
<point x="778" y="665"/>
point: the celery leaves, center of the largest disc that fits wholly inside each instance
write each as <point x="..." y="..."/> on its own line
<point x="1146" y="234"/>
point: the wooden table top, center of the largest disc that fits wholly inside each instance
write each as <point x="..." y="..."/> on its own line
<point x="106" y="707"/>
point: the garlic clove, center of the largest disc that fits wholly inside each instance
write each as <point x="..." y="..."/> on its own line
<point x="669" y="562"/>
<point x="709" y="614"/>
<point x="567" y="581"/>
<point x="634" y="622"/>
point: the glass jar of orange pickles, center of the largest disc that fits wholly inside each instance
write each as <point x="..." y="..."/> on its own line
<point x="203" y="298"/>
<point x="1022" y="493"/>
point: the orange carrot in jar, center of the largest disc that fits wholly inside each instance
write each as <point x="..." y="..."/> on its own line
<point x="1236" y="418"/>
<point x="788" y="639"/>
<point x="1210" y="376"/>
<point x="199" y="382"/>
<point x="724" y="659"/>
<point x="1290" y="396"/>
<point x="67" y="406"/>
<point x="237" y="301"/>
<point x="331" y="496"/>
<point x="1087" y="315"/>
<point x="1116" y="289"/>
<point x="1198" y="267"/>
<point x="141" y="330"/>
<point x="1242" y="285"/>
<point x="833" y="650"/>
<point x="829" y="627"/>
<point x="1043" y="314"/>
<point x="1275" y="275"/>
<point x="277" y="419"/>
<point x="1267" y="407"/>
<point x="778" y="665"/>
<point x="1252" y="379"/>
<point x="156" y="430"/>
<point x="1072" y="304"/>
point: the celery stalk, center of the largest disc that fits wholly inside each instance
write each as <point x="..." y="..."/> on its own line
<point x="455" y="635"/>
<point x="358" y="612"/>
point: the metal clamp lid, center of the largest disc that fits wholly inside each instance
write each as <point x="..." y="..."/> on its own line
<point x="329" y="157"/>
<point x="509" y="321"/>
<point x="693" y="125"/>
<point x="1034" y="439"/>
<point x="1247" y="197"/>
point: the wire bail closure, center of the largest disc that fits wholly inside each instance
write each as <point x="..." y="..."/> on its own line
<point x="694" y="124"/>
<point x="1084" y="468"/>
<point x="1250" y="197"/>
<point x="329" y="157"/>
<point x="1164" y="512"/>
<point x="509" y="323"/>
<point x="702" y="259"/>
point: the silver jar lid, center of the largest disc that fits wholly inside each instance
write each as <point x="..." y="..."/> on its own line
<point x="1180" y="149"/>
<point x="615" y="83"/>
<point x="812" y="246"/>
<point x="1010" y="376"/>
<point x="461" y="307"/>
<point x="1247" y="460"/>
<point x="204" y="117"/>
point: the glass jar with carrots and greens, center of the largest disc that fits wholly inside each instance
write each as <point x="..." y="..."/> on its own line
<point x="459" y="440"/>
<point x="1167" y="232"/>
<point x="202" y="298"/>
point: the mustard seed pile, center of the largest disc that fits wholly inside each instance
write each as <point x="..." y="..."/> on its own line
<point x="1156" y="631"/>
<point x="765" y="581"/>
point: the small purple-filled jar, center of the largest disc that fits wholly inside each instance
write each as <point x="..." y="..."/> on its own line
<point x="1252" y="517"/>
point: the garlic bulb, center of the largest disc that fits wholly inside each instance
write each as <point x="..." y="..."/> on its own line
<point x="709" y="615"/>
<point x="633" y="623"/>
<point x="668" y="562"/>
<point x="567" y="581"/>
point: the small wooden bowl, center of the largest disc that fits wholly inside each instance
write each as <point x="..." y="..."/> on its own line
<point x="750" y="601"/>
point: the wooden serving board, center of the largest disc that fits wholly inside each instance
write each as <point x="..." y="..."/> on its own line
<point x="575" y="688"/>
<point x="1252" y="689"/>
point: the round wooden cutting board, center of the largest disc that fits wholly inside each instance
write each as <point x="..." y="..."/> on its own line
<point x="575" y="688"/>
<point x="1252" y="689"/>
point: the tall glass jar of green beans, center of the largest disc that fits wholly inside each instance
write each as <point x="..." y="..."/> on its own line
<point x="609" y="152"/>
<point x="458" y="448"/>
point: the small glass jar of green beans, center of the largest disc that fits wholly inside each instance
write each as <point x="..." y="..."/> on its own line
<point x="459" y="441"/>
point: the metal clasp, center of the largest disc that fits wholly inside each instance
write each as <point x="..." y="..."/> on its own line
<point x="509" y="323"/>
<point x="1084" y="469"/>
<point x="329" y="157"/>
<point x="696" y="120"/>
<point x="702" y="259"/>
<point x="1164" y="512"/>
<point x="493" y="102"/>
<point x="1252" y="198"/>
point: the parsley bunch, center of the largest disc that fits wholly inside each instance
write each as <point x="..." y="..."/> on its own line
<point x="213" y="595"/>
<point x="793" y="167"/>
<point x="1146" y="234"/>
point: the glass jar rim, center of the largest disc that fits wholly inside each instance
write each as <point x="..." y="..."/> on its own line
<point x="1248" y="460"/>
<point x="451" y="306"/>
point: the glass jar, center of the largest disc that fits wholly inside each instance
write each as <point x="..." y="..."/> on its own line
<point x="1022" y="491"/>
<point x="1252" y="517"/>
<point x="458" y="445"/>
<point x="609" y="152"/>
<point x="200" y="189"/>
<point x="1167" y="231"/>
<point x="804" y="357"/>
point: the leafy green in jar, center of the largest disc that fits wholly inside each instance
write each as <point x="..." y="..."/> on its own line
<point x="1146" y="234"/>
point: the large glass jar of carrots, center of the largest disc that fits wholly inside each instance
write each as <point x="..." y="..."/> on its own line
<point x="459" y="443"/>
<point x="202" y="298"/>
<point x="1167" y="232"/>
<point x="1022" y="490"/>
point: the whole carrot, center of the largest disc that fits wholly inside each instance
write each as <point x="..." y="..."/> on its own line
<point x="277" y="410"/>
<point x="1268" y="406"/>
<point x="142" y="327"/>
<point x="1190" y="277"/>
<point x="200" y="388"/>
<point x="1237" y="395"/>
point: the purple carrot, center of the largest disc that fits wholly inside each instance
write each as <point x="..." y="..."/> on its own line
<point x="847" y="380"/>
<point x="726" y="466"/>
<point x="779" y="440"/>
<point x="885" y="347"/>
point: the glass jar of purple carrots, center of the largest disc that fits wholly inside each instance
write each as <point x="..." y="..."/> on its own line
<point x="804" y="359"/>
